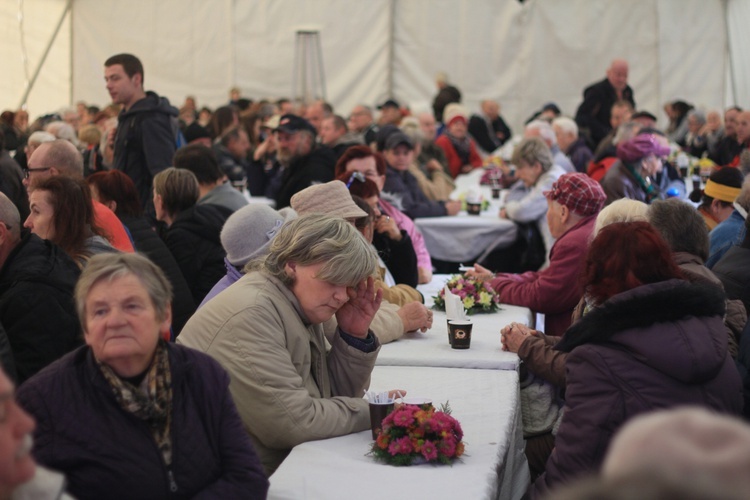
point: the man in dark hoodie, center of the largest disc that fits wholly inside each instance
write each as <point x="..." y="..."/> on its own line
<point x="36" y="296"/>
<point x="147" y="128"/>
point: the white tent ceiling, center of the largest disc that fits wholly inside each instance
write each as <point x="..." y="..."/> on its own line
<point x="522" y="54"/>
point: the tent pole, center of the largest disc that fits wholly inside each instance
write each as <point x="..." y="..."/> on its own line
<point x="728" y="59"/>
<point x="72" y="53"/>
<point x="391" y="48"/>
<point x="46" y="53"/>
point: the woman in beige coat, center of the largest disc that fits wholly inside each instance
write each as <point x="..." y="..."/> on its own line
<point x="266" y="331"/>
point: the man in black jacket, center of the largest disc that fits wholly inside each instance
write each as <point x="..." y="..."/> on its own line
<point x="593" y="114"/>
<point x="36" y="296"/>
<point x="147" y="127"/>
<point x="304" y="163"/>
<point x="488" y="129"/>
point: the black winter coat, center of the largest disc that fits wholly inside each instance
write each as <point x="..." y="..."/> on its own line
<point x="105" y="452"/>
<point x="193" y="239"/>
<point x="315" y="168"/>
<point x="145" y="143"/>
<point x="36" y="304"/>
<point x="399" y="257"/>
<point x="654" y="347"/>
<point x="147" y="242"/>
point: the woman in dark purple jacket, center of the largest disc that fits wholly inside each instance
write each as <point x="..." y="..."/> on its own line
<point x="649" y="341"/>
<point x="130" y="416"/>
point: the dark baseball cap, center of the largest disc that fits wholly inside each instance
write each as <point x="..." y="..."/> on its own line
<point x="396" y="139"/>
<point x="292" y="123"/>
<point x="390" y="103"/>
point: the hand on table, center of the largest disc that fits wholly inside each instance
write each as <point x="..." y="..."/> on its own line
<point x="480" y="272"/>
<point x="452" y="207"/>
<point x="415" y="316"/>
<point x="355" y="316"/>
<point x="513" y="336"/>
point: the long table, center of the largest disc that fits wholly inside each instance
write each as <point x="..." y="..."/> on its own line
<point x="481" y="384"/>
<point x="485" y="402"/>
<point x="464" y="237"/>
<point x="431" y="348"/>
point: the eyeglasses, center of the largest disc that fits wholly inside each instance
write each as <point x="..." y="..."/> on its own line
<point x="28" y="171"/>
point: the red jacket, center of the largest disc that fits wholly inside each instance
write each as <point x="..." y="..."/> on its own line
<point x="555" y="291"/>
<point x="454" y="161"/>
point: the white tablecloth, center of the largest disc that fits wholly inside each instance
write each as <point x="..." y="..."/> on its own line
<point x="432" y="349"/>
<point x="494" y="466"/>
<point x="463" y="237"/>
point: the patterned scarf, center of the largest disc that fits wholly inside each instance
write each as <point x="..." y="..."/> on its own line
<point x="644" y="183"/>
<point x="151" y="401"/>
<point x="462" y="147"/>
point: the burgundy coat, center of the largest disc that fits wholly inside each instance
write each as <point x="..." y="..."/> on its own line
<point x="653" y="347"/>
<point x="107" y="453"/>
<point x="554" y="291"/>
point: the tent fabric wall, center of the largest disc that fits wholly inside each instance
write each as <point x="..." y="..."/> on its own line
<point x="53" y="86"/>
<point x="523" y="55"/>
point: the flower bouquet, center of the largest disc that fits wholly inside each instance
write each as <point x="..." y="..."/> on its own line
<point x="476" y="294"/>
<point x="417" y="434"/>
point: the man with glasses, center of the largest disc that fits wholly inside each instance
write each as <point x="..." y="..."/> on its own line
<point x="60" y="157"/>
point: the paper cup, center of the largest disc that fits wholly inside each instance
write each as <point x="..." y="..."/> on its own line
<point x="459" y="331"/>
<point x="423" y="403"/>
<point x="378" y="411"/>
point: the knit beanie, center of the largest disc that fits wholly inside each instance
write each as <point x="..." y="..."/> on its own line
<point x="454" y="111"/>
<point x="248" y="232"/>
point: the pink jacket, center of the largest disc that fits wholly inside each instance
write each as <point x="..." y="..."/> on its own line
<point x="555" y="291"/>
<point x="405" y="223"/>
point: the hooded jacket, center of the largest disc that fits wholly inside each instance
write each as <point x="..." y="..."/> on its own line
<point x="653" y="347"/>
<point x="145" y="142"/>
<point x="193" y="239"/>
<point x="36" y="304"/>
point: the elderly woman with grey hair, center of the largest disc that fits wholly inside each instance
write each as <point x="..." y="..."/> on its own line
<point x="130" y="415"/>
<point x="525" y="203"/>
<point x="267" y="331"/>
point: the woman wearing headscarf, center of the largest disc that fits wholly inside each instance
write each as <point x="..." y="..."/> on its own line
<point x="129" y="415"/>
<point x="640" y="159"/>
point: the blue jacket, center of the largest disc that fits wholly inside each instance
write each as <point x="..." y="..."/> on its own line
<point x="107" y="453"/>
<point x="728" y="233"/>
<point x="233" y="274"/>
